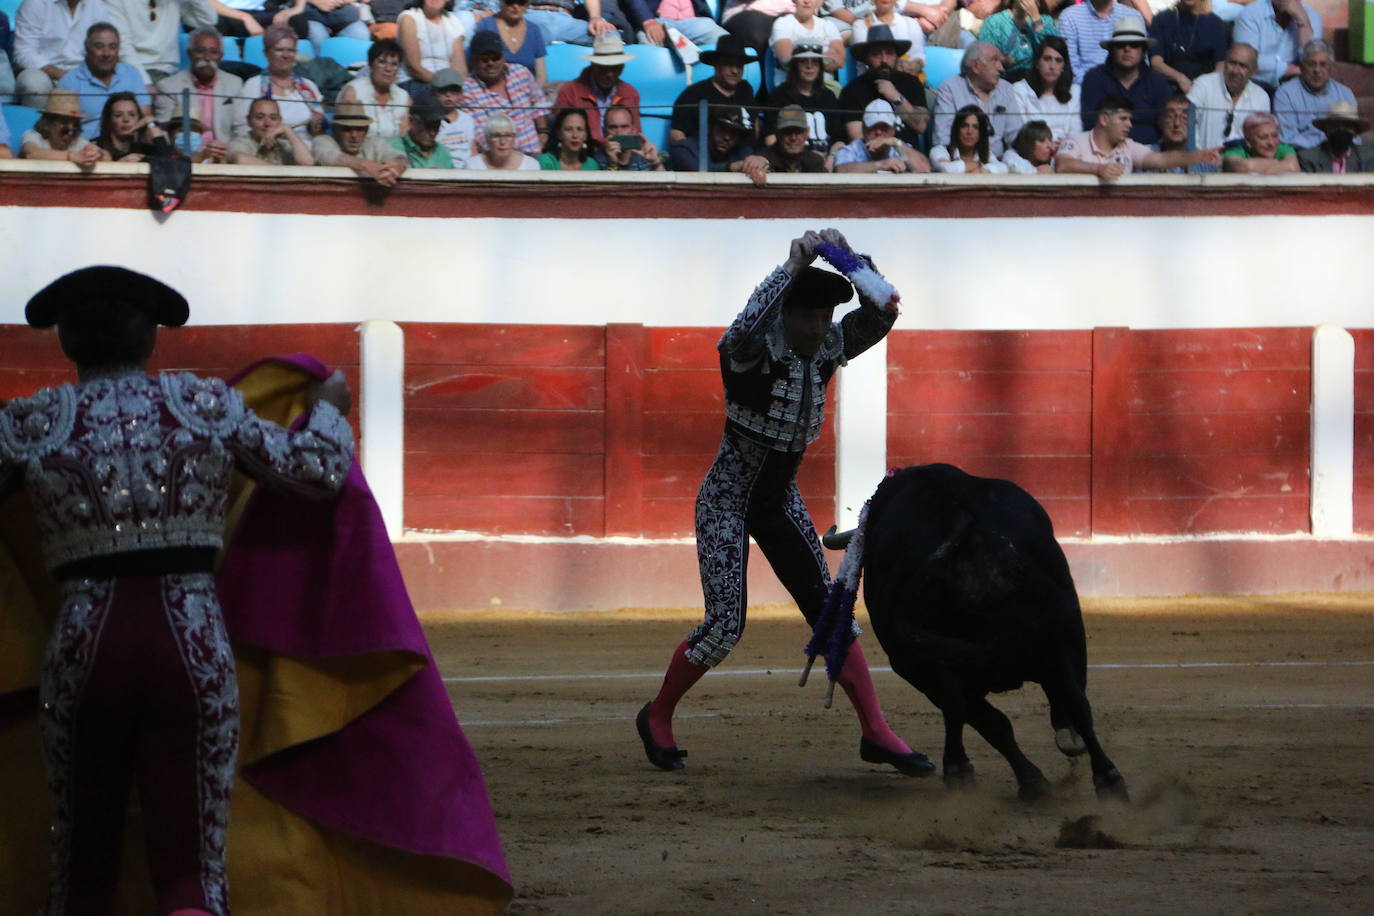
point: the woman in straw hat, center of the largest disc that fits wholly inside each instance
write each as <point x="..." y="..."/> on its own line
<point x="57" y="135"/>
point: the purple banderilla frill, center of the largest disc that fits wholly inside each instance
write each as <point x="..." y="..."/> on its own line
<point x="859" y="270"/>
<point x="834" y="630"/>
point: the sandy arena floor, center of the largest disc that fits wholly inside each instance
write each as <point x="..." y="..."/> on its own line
<point x="1244" y="728"/>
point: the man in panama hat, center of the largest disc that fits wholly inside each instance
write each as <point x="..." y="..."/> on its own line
<point x="1124" y="73"/>
<point x="1339" y="153"/>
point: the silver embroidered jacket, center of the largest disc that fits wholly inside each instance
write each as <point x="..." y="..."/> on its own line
<point x="774" y="395"/>
<point x="137" y="462"/>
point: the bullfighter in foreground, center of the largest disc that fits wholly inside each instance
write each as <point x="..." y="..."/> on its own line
<point x="776" y="361"/>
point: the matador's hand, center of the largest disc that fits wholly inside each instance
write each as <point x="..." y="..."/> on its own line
<point x="804" y="250"/>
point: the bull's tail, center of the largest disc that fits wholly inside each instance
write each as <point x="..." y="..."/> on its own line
<point x="834" y="629"/>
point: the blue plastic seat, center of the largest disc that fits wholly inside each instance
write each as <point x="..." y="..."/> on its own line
<point x="183" y="41"/>
<point x="253" y="52"/>
<point x="563" y="62"/>
<point x="344" y="51"/>
<point x="10" y="8"/>
<point x="941" y="64"/>
<point x="19" y="119"/>
<point x="656" y="130"/>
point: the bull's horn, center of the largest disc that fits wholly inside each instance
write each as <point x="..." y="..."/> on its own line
<point x="837" y="541"/>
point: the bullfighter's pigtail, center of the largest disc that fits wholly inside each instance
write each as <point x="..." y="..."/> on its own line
<point x="859" y="270"/>
<point x="834" y="630"/>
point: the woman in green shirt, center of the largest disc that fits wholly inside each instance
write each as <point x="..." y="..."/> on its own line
<point x="1262" y="153"/>
<point x="1017" y="31"/>
<point x="567" y="147"/>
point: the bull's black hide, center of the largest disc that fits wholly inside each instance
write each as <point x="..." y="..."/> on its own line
<point x="969" y="593"/>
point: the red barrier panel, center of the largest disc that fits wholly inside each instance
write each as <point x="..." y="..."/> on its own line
<point x="1364" y="430"/>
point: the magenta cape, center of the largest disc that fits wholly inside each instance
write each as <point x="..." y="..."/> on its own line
<point x="320" y="581"/>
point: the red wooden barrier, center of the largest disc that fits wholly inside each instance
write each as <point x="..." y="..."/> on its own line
<point x="1364" y="429"/>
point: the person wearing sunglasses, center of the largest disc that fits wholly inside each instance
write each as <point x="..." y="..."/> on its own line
<point x="1224" y="100"/>
<point x="57" y="135"/>
<point x="522" y="43"/>
<point x="1125" y="74"/>
<point x="420" y="145"/>
<point x="1085" y="25"/>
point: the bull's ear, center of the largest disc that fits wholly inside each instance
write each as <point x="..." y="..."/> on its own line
<point x="837" y="541"/>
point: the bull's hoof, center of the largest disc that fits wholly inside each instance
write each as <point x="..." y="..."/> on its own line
<point x="665" y="758"/>
<point x="912" y="764"/>
<point x="959" y="776"/>
<point x="1111" y="786"/>
<point x="1034" y="789"/>
<point x="1069" y="742"/>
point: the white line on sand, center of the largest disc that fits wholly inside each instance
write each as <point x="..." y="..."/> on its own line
<point x="756" y="672"/>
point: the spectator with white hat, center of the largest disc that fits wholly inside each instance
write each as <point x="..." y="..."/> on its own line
<point x="879" y="149"/>
<point x="1339" y="153"/>
<point x="599" y="85"/>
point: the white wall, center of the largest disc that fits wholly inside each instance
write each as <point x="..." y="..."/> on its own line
<point x="1013" y="273"/>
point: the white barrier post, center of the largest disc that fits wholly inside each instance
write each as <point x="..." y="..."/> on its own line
<point x="1333" y="432"/>
<point x="382" y="405"/>
<point x="860" y="433"/>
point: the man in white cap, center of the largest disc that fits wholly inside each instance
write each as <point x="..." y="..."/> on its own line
<point x="980" y="83"/>
<point x="1223" y="100"/>
<point x="1277" y="30"/>
<point x="1338" y="152"/>
<point x="599" y="85"/>
<point x="1086" y="25"/>
<point x="352" y="147"/>
<point x="1125" y="74"/>
<point x="879" y="149"/>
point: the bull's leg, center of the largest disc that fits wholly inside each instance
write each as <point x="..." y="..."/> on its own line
<point x="958" y="769"/>
<point x="1065" y="694"/>
<point x="996" y="730"/>
<point x="1066" y="737"/>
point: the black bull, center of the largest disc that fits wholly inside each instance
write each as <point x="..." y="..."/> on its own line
<point x="969" y="594"/>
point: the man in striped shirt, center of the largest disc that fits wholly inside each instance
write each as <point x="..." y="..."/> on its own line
<point x="1086" y="25"/>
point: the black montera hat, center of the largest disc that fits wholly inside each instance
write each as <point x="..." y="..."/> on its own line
<point x="163" y="304"/>
<point x="818" y="289"/>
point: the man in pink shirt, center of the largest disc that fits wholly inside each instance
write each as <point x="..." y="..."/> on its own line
<point x="212" y="91"/>
<point x="1108" y="152"/>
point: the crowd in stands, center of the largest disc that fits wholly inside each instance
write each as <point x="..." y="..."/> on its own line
<point x="1100" y="87"/>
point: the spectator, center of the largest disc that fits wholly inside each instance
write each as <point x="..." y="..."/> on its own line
<point x="1262" y="153"/>
<point x="805" y="88"/>
<point x="500" y="151"/>
<point x="48" y="43"/>
<point x="968" y="148"/>
<point x="270" y="140"/>
<point x="1339" y="153"/>
<point x="750" y="22"/>
<point x="599" y="85"/>
<point x="804" y="25"/>
<point x="299" y="99"/>
<point x="521" y="43"/>
<point x="57" y="135"/>
<point x="458" y="133"/>
<point x="1086" y="26"/>
<point x="1125" y="74"/>
<point x="1173" y="134"/>
<point x="903" y="92"/>
<point x="127" y="134"/>
<point x="1189" y="40"/>
<point x="1049" y="92"/>
<point x="212" y="90"/>
<point x="203" y="147"/>
<point x="567" y="148"/>
<point x="420" y="145"/>
<point x="326" y="18"/>
<point x="496" y="86"/>
<point x="1223" y="100"/>
<point x="245" y="18"/>
<point x="1277" y="30"/>
<point x="903" y="28"/>
<point x="431" y="38"/>
<point x="792" y="151"/>
<point x="384" y="16"/>
<point x="385" y="102"/>
<point x="725" y="88"/>
<point x="1017" y="32"/>
<point x="626" y="149"/>
<point x="149" y="35"/>
<point x="729" y="147"/>
<point x="1298" y="102"/>
<point x="651" y="20"/>
<point x="880" y="149"/>
<point x="556" y="19"/>
<point x="101" y="75"/>
<point x="1108" y="151"/>
<point x="980" y="83"/>
<point x="1033" y="150"/>
<point x="353" y="146"/>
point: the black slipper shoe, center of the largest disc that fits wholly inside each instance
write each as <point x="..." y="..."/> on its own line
<point x="913" y="764"/>
<point x="665" y="758"/>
